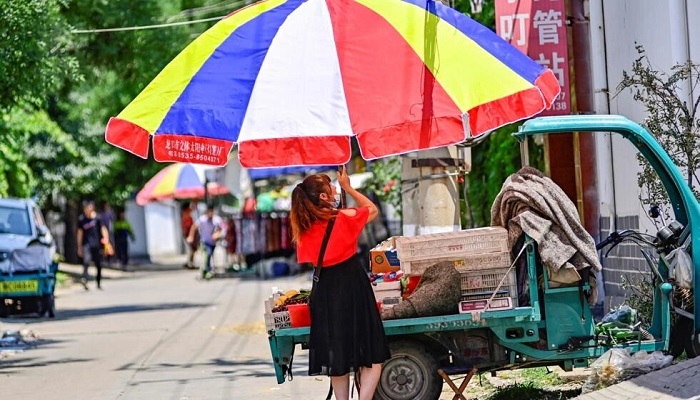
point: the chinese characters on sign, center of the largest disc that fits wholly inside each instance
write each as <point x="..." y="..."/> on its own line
<point x="513" y="21"/>
<point x="538" y="29"/>
<point x="191" y="149"/>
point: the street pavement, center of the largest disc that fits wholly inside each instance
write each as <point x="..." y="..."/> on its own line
<point x="154" y="335"/>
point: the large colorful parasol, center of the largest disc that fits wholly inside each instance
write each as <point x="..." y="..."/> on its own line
<point x="292" y="81"/>
<point x="179" y="181"/>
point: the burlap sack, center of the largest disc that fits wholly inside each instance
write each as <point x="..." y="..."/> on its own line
<point x="438" y="293"/>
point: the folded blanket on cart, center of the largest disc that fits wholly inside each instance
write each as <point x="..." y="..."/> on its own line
<point x="529" y="202"/>
<point x="32" y="258"/>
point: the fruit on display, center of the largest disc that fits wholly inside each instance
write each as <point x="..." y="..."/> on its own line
<point x="291" y="297"/>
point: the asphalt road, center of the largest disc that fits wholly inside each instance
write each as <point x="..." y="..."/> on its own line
<point x="154" y="335"/>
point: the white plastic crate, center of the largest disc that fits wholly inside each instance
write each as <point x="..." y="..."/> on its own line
<point x="462" y="262"/>
<point x="481" y="284"/>
<point x="439" y="245"/>
<point x="383" y="290"/>
<point x="277" y="320"/>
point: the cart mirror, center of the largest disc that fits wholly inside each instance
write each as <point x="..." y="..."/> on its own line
<point x="654" y="211"/>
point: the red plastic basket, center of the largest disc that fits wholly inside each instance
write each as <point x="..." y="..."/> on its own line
<point x="299" y="315"/>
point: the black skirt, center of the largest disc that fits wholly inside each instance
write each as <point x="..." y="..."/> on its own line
<point x="346" y="329"/>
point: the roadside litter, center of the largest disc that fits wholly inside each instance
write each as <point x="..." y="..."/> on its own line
<point x="617" y="365"/>
<point x="16" y="342"/>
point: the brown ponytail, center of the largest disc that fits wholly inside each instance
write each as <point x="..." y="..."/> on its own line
<point x="307" y="207"/>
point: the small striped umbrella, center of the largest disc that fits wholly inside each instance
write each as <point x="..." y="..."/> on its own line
<point x="179" y="181"/>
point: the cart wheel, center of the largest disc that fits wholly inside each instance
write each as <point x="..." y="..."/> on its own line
<point x="410" y="373"/>
<point x="680" y="333"/>
<point x="682" y="338"/>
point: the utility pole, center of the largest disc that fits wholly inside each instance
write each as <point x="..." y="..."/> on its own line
<point x="584" y="143"/>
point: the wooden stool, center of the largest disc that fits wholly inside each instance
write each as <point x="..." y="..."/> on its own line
<point x="458" y="391"/>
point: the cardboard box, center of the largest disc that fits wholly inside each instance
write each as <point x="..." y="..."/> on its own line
<point x="383" y="258"/>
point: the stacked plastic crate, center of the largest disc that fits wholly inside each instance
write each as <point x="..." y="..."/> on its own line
<point x="481" y="255"/>
<point x="275" y="321"/>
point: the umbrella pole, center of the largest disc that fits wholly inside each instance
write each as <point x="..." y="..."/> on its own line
<point x="206" y="191"/>
<point x="343" y="196"/>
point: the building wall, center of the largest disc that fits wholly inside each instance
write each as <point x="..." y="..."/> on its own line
<point x="137" y="218"/>
<point x="622" y="24"/>
<point x="163" y="231"/>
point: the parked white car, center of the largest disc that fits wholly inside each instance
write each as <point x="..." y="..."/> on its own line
<point x="21" y="223"/>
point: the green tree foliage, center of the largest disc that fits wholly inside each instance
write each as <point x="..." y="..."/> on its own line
<point x="34" y="60"/>
<point x="34" y="56"/>
<point x="671" y="118"/>
<point x="486" y="17"/>
<point x="31" y="143"/>
<point x="385" y="181"/>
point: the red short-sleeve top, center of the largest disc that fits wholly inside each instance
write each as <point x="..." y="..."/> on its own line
<point x="342" y="243"/>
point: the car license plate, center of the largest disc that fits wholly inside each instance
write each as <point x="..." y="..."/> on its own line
<point x="19" y="286"/>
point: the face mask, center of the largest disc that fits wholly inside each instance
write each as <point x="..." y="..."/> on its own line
<point x="336" y="201"/>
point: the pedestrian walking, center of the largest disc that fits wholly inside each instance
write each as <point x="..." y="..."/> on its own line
<point x="107" y="218"/>
<point x="232" y="244"/>
<point x="347" y="334"/>
<point x="123" y="232"/>
<point x="92" y="238"/>
<point x="187" y="222"/>
<point x="211" y="229"/>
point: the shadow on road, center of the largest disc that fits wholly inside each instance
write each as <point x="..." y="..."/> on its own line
<point x="254" y="367"/>
<point x="233" y="369"/>
<point x="18" y="364"/>
<point x="68" y="314"/>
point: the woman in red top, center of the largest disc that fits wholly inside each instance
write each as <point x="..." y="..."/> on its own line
<point x="346" y="330"/>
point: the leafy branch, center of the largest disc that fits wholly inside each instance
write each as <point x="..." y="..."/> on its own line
<point x="386" y="181"/>
<point x="671" y="118"/>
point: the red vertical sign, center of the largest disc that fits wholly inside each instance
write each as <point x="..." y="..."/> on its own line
<point x="513" y="22"/>
<point x="538" y="29"/>
<point x="548" y="46"/>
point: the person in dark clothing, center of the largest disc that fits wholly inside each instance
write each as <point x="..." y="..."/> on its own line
<point x="122" y="233"/>
<point x="92" y="236"/>
<point x="106" y="217"/>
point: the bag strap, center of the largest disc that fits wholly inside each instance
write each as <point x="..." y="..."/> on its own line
<point x="317" y="275"/>
<point x="322" y="253"/>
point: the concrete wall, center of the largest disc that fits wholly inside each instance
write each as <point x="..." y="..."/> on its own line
<point x="137" y="218"/>
<point x="163" y="236"/>
<point x="616" y="27"/>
